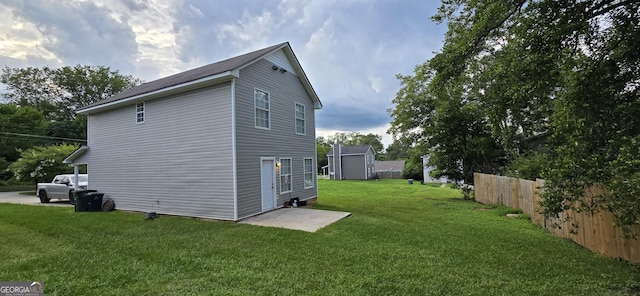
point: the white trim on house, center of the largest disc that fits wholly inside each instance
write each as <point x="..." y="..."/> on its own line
<point x="255" y="109"/>
<point x="140" y="108"/>
<point x="73" y="156"/>
<point x="234" y="154"/>
<point x="298" y="70"/>
<point x="304" y="172"/>
<point x="280" y="175"/>
<point x="304" y="119"/>
<point x="274" y="180"/>
<point x="214" y="79"/>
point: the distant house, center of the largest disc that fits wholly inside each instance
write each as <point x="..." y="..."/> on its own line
<point x="426" y="170"/>
<point x="390" y="169"/>
<point x="225" y="141"/>
<point x="351" y="162"/>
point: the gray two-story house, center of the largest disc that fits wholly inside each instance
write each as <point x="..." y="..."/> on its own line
<point x="224" y="141"/>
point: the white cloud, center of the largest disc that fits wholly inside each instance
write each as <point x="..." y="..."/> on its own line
<point x="350" y="50"/>
<point x="21" y="39"/>
<point x="250" y="31"/>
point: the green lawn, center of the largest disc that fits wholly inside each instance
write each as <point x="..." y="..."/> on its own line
<point x="400" y="240"/>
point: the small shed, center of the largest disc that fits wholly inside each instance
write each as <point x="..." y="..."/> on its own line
<point x="351" y="162"/>
<point x="390" y="169"/>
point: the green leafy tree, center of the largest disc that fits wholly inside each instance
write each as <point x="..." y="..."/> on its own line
<point x="524" y="68"/>
<point x="42" y="163"/>
<point x="445" y="123"/>
<point x="16" y="126"/>
<point x="59" y="92"/>
<point x="322" y="148"/>
<point x="398" y="149"/>
<point x="358" y="139"/>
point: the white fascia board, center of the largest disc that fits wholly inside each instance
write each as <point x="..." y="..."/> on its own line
<point x="75" y="154"/>
<point x="293" y="60"/>
<point x="166" y="91"/>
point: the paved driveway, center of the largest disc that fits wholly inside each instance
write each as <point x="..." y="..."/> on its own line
<point x="16" y="198"/>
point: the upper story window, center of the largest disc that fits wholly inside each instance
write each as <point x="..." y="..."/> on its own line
<point x="285" y="175"/>
<point x="300" y="122"/>
<point x="140" y="112"/>
<point x="263" y="114"/>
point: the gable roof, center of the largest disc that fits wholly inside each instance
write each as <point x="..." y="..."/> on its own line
<point x="353" y="150"/>
<point x="389" y="165"/>
<point x="210" y="74"/>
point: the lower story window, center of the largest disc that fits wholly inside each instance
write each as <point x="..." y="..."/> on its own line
<point x="285" y="175"/>
<point x="308" y="173"/>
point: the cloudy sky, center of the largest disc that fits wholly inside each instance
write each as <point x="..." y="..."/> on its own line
<point x="349" y="49"/>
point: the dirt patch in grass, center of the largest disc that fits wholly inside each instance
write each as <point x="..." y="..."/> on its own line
<point x="454" y="199"/>
<point x="483" y="209"/>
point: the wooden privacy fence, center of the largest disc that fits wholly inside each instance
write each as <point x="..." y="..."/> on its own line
<point x="595" y="232"/>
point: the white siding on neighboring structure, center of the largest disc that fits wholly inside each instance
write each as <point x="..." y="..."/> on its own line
<point x="281" y="141"/>
<point x="179" y="161"/>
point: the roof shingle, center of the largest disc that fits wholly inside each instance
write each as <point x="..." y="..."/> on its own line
<point x="187" y="76"/>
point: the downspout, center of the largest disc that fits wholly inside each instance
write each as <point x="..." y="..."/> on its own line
<point x="233" y="149"/>
<point x="340" y="155"/>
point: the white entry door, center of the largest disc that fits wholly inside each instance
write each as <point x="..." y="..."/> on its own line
<point x="268" y="176"/>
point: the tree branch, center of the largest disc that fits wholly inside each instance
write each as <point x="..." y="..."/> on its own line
<point x="602" y="8"/>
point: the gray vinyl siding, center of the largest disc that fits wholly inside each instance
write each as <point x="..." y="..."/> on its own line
<point x="279" y="58"/>
<point x="179" y="161"/>
<point x="353" y="167"/>
<point x="280" y="140"/>
<point x="337" y="162"/>
<point x="370" y="167"/>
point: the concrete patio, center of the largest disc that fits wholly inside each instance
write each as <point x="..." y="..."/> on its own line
<point x="296" y="218"/>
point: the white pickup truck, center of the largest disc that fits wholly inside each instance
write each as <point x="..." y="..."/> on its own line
<point x="61" y="188"/>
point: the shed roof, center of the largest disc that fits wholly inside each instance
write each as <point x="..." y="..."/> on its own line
<point x="223" y="69"/>
<point x="352" y="150"/>
<point x="389" y="165"/>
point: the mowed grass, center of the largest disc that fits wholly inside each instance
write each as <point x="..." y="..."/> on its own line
<point x="400" y="240"/>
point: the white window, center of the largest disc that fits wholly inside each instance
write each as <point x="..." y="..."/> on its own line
<point x="308" y="173"/>
<point x="262" y="109"/>
<point x="140" y="112"/>
<point x="300" y="123"/>
<point x="285" y="175"/>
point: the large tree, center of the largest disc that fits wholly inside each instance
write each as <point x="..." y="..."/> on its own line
<point x="522" y="68"/>
<point x="358" y="139"/>
<point x="42" y="163"/>
<point x="19" y="128"/>
<point x="58" y="92"/>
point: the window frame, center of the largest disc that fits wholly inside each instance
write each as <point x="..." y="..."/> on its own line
<point x="304" y="170"/>
<point x="303" y="119"/>
<point x="255" y="109"/>
<point x="281" y="175"/>
<point x="140" y="110"/>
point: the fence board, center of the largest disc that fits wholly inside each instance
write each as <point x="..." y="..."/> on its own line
<point x="595" y="231"/>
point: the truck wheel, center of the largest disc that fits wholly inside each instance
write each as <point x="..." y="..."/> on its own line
<point x="72" y="198"/>
<point x="43" y="196"/>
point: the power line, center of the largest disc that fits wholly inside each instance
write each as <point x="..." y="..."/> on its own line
<point x="43" y="137"/>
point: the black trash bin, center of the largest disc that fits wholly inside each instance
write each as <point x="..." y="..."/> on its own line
<point x="82" y="200"/>
<point x="95" y="201"/>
